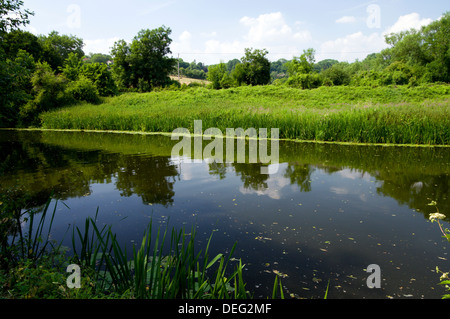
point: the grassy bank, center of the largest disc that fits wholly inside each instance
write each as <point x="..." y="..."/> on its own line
<point x="397" y="115"/>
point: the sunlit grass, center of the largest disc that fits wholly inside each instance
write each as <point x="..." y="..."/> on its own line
<point x="397" y="115"/>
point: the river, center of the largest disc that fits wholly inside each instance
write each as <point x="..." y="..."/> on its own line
<point x="324" y="216"/>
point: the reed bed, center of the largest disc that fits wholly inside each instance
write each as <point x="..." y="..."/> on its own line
<point x="395" y="115"/>
<point x="166" y="265"/>
<point x="179" y="273"/>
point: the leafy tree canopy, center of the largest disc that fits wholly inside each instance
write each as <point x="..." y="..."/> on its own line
<point x="57" y="47"/>
<point x="144" y="64"/>
<point x="12" y="16"/>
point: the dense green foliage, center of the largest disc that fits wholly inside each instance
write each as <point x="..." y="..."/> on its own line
<point x="56" y="48"/>
<point x="191" y="70"/>
<point x="144" y="64"/>
<point x="255" y="68"/>
<point x="219" y="77"/>
<point x="43" y="73"/>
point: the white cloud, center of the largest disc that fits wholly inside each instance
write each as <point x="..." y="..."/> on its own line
<point x="271" y="28"/>
<point x="358" y="45"/>
<point x="267" y="27"/>
<point x="211" y="34"/>
<point x="339" y="190"/>
<point x="185" y="37"/>
<point x="99" y="45"/>
<point x="274" y="189"/>
<point x="408" y="22"/>
<point x="271" y="31"/>
<point x="156" y="7"/>
<point x="354" y="174"/>
<point x="267" y="31"/>
<point x="346" y="19"/>
<point x="351" y="47"/>
<point x="183" y="44"/>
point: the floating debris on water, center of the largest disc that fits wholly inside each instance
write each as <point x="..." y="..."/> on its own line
<point x="280" y="274"/>
<point x="263" y="239"/>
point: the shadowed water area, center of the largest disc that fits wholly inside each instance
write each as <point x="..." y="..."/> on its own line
<point x="328" y="213"/>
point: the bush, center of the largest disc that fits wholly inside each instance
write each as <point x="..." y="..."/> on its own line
<point x="216" y="75"/>
<point x="48" y="93"/>
<point x="15" y="86"/>
<point x="99" y="74"/>
<point x="338" y="74"/>
<point x="83" y="89"/>
<point x="305" y="81"/>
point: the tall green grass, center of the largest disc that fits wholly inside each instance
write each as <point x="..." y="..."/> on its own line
<point x="152" y="274"/>
<point x="25" y="233"/>
<point x="166" y="265"/>
<point x="398" y="115"/>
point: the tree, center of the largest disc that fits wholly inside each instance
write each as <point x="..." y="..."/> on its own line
<point x="324" y="64"/>
<point x="14" y="70"/>
<point x="98" y="58"/>
<point x="239" y="74"/>
<point x="216" y="74"/>
<point x="121" y="68"/>
<point x="338" y="74"/>
<point x="48" y="92"/>
<point x="278" y="70"/>
<point x="301" y="71"/>
<point x="436" y="41"/>
<point x="56" y="48"/>
<point x="21" y="40"/>
<point x="12" y="16"/>
<point x="74" y="70"/>
<point x="15" y="86"/>
<point x="232" y="64"/>
<point x="101" y="77"/>
<point x="144" y="64"/>
<point x="193" y="70"/>
<point x="255" y="66"/>
<point x="425" y="51"/>
<point x="72" y="67"/>
<point x="303" y="64"/>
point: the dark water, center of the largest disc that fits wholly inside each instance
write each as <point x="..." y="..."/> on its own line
<point x="327" y="214"/>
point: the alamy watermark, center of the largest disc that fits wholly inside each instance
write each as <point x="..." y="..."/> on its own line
<point x="374" y="16"/>
<point x="374" y="280"/>
<point x="74" y="280"/>
<point x="74" y="19"/>
<point x="214" y="151"/>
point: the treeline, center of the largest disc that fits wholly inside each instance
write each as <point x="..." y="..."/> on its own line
<point x="40" y="73"/>
<point x="191" y="70"/>
<point x="414" y="57"/>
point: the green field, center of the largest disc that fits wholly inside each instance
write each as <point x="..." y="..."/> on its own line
<point x="393" y="115"/>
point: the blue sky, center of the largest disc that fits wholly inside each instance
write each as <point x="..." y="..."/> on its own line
<point x="214" y="31"/>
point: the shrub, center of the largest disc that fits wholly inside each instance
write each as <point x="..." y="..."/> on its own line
<point x="99" y="74"/>
<point x="83" y="89"/>
<point x="48" y="93"/>
<point x="305" y="81"/>
<point x="216" y="74"/>
<point x="15" y="86"/>
<point x="338" y="74"/>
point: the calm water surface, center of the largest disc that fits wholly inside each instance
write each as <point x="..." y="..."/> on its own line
<point x="327" y="214"/>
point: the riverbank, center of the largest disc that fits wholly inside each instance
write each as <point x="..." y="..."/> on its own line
<point x="383" y="115"/>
